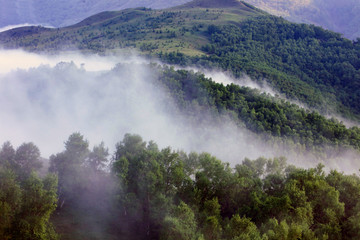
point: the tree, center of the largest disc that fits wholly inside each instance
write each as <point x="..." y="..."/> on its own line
<point x="38" y="201"/>
<point x="241" y="228"/>
<point x="98" y="157"/>
<point x="27" y="159"/>
<point x="212" y="228"/>
<point x="212" y="177"/>
<point x="68" y="165"/>
<point x="324" y="199"/>
<point x="7" y="155"/>
<point x="142" y="187"/>
<point x="10" y="202"/>
<point x="180" y="224"/>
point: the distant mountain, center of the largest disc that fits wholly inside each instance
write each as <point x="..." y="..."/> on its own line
<point x="339" y="16"/>
<point x="60" y="13"/>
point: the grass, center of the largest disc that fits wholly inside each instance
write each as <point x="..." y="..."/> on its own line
<point x="150" y="31"/>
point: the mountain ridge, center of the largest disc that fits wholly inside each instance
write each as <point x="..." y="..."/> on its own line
<point x="212" y="4"/>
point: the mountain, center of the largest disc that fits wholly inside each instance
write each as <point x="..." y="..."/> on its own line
<point x="338" y="16"/>
<point x="305" y="63"/>
<point x="62" y="13"/>
<point x="148" y="29"/>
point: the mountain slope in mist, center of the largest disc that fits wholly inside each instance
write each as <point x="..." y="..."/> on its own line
<point x="339" y="16"/>
<point x="62" y="13"/>
<point x="151" y="188"/>
<point x="298" y="60"/>
<point x="106" y="97"/>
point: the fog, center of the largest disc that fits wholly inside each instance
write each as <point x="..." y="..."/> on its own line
<point x="227" y="78"/>
<point x="46" y="98"/>
<point x="245" y="81"/>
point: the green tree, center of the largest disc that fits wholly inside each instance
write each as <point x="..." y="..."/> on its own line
<point x="7" y="155"/>
<point x="148" y="180"/>
<point x="212" y="228"/>
<point x="241" y="228"/>
<point x="98" y="157"/>
<point x="10" y="202"/>
<point x="27" y="159"/>
<point x="38" y="201"/>
<point x="180" y="224"/>
<point x="68" y="165"/>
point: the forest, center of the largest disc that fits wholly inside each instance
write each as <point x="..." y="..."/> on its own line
<point x="144" y="192"/>
<point x="271" y="117"/>
<point x="305" y="62"/>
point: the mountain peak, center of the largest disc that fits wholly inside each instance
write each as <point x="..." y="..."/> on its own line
<point x="214" y="4"/>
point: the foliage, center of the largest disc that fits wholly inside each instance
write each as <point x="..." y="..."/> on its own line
<point x="26" y="201"/>
<point x="259" y="112"/>
<point x="264" y="198"/>
<point x="164" y="194"/>
<point x="303" y="61"/>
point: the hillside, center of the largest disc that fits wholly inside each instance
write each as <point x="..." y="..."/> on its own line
<point x="183" y="28"/>
<point x="305" y="63"/>
<point x="338" y="16"/>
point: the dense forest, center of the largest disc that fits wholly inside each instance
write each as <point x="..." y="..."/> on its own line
<point x="143" y="192"/>
<point x="273" y="118"/>
<point x="307" y="63"/>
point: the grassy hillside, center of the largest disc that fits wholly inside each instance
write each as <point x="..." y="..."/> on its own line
<point x="179" y="29"/>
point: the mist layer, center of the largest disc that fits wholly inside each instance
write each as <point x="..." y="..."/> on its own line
<point x="46" y="98"/>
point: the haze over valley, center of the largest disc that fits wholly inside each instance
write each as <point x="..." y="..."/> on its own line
<point x="46" y="98"/>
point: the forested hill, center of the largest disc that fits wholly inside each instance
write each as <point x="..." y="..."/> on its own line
<point x="306" y="63"/>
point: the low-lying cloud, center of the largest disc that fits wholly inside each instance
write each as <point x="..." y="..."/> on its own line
<point x="46" y="98"/>
<point x="17" y="59"/>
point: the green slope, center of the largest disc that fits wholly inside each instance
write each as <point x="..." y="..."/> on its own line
<point x="152" y="31"/>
